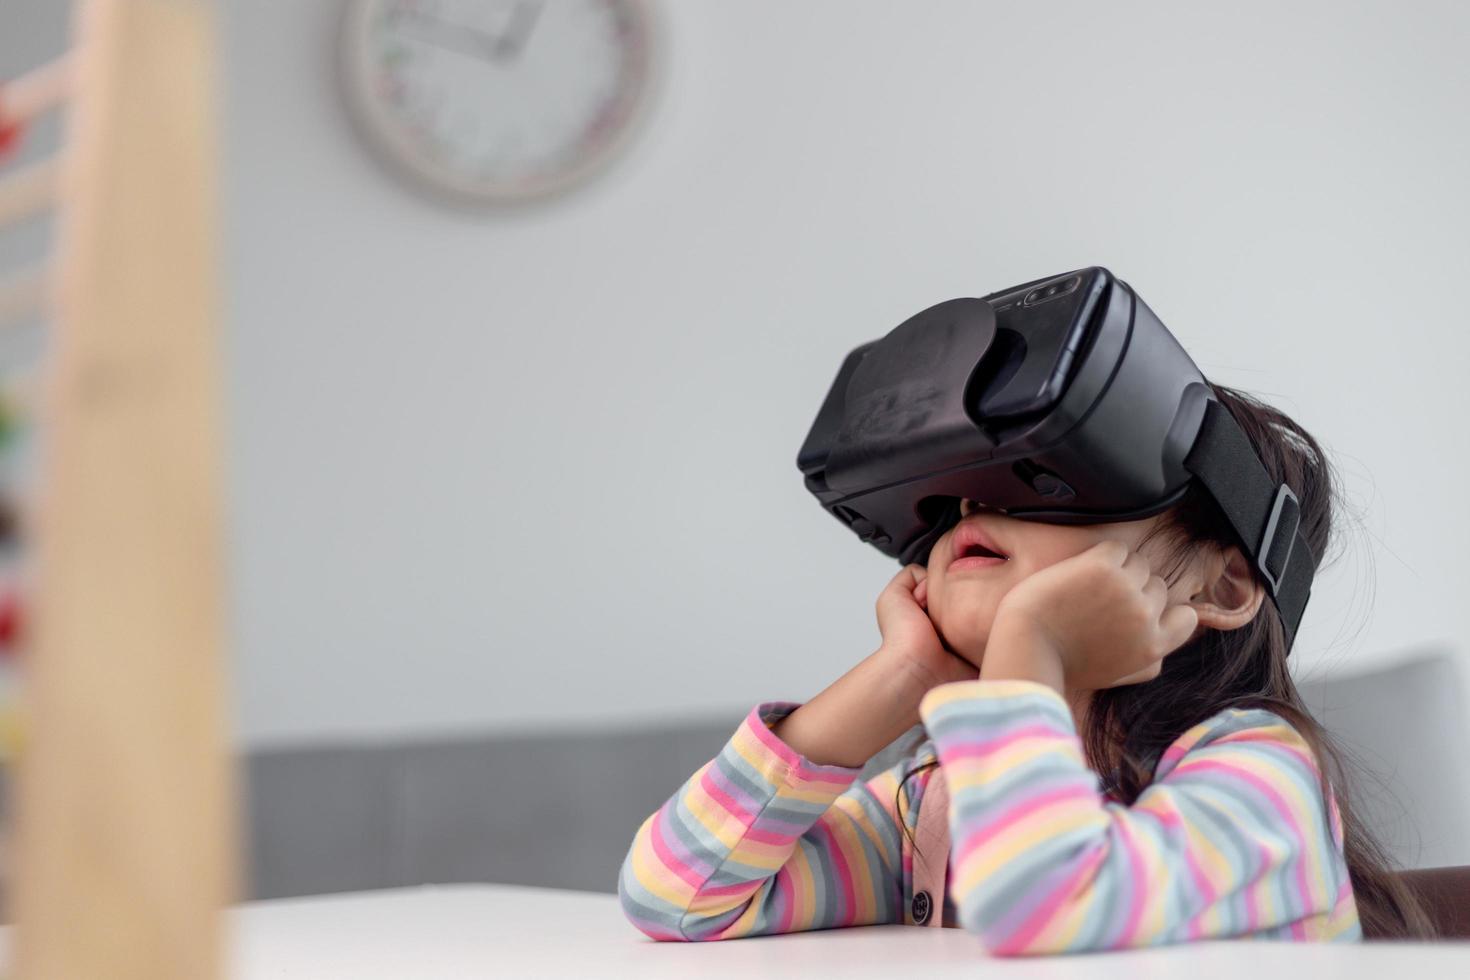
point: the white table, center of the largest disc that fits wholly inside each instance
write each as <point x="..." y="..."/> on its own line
<point x="468" y="931"/>
<point x="471" y="931"/>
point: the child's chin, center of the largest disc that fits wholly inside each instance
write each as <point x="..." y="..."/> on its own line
<point x="972" y="661"/>
<point x="968" y="649"/>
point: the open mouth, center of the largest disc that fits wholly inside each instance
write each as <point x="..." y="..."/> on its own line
<point x="974" y="547"/>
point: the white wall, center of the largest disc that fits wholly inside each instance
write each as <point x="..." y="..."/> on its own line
<point x="538" y="471"/>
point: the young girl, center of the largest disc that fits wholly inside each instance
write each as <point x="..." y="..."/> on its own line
<point x="1114" y="758"/>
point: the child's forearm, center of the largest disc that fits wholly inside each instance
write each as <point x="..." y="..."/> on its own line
<point x="856" y="716"/>
<point x="1230" y="838"/>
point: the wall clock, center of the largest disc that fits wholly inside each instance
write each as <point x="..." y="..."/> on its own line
<point x="497" y="101"/>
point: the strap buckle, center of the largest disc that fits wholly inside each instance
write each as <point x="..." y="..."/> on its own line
<point x="1268" y="538"/>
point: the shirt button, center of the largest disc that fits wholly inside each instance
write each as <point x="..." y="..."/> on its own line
<point x="921" y="908"/>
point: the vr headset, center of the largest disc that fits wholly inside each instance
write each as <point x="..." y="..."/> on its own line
<point x="1062" y="400"/>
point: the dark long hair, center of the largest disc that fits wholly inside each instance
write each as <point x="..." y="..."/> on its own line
<point x="1126" y="729"/>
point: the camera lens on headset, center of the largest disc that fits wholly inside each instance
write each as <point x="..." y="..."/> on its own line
<point x="1051" y="291"/>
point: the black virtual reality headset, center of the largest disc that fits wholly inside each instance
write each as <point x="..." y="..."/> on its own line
<point x="1062" y="400"/>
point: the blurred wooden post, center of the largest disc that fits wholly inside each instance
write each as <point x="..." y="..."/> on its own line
<point x="125" y="803"/>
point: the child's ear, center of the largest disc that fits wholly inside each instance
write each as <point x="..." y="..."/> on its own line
<point x="1232" y="596"/>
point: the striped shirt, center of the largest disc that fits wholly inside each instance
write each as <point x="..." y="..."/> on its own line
<point x="1231" y="838"/>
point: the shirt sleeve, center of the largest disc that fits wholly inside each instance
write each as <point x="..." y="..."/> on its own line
<point x="1231" y="838"/>
<point x="760" y="841"/>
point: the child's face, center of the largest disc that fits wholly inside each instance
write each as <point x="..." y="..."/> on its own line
<point x="962" y="603"/>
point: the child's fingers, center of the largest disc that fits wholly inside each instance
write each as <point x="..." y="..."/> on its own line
<point x="1157" y="592"/>
<point x="900" y="589"/>
<point x="921" y="584"/>
<point x="1175" y="627"/>
<point x="904" y="580"/>
<point x="1177" y="624"/>
<point x="1137" y="568"/>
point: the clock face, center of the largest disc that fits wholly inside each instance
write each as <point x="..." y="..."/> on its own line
<point x="497" y="100"/>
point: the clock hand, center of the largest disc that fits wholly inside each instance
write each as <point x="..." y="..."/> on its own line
<point x="452" y="36"/>
<point x="520" y="28"/>
<point x="450" y="42"/>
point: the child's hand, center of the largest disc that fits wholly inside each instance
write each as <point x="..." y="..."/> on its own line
<point x="909" y="635"/>
<point x="1101" y="614"/>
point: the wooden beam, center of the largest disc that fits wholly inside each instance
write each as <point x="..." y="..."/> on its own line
<point x="125" y="819"/>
